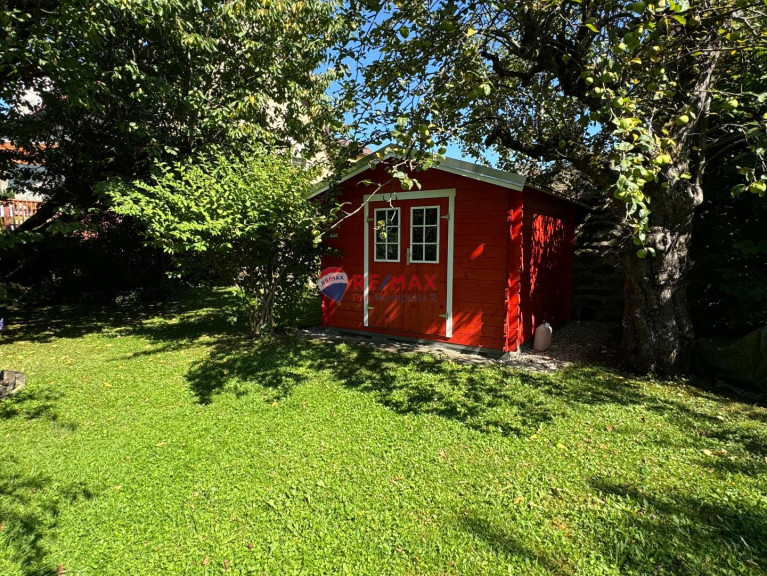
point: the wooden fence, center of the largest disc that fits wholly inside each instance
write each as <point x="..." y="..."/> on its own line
<point x="14" y="212"/>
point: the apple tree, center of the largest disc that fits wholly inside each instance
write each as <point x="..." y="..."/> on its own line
<point x="638" y="97"/>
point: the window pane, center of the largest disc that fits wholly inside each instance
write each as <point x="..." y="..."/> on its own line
<point x="431" y="253"/>
<point x="418" y="216"/>
<point x="417" y="253"/>
<point x="431" y="234"/>
<point x="431" y="215"/>
<point x="386" y="234"/>
<point x="417" y="235"/>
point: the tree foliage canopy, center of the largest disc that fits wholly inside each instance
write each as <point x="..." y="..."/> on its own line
<point x="621" y="91"/>
<point x="97" y="90"/>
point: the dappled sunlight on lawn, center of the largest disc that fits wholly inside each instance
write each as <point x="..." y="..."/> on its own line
<point x="166" y="441"/>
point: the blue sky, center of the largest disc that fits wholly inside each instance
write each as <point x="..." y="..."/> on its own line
<point x="453" y="148"/>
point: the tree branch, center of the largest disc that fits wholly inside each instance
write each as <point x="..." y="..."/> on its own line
<point x="592" y="165"/>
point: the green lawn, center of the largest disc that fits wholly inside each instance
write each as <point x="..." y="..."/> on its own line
<point x="155" y="440"/>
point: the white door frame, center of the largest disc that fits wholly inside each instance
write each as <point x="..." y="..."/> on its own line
<point x="422" y="195"/>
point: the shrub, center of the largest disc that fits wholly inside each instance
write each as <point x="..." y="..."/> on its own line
<point x="246" y="216"/>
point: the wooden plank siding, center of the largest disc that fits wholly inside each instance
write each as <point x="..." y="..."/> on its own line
<point x="513" y="272"/>
<point x="548" y="230"/>
<point x="479" y="258"/>
<point x="348" y="241"/>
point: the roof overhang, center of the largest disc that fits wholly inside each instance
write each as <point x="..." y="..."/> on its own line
<point x="494" y="176"/>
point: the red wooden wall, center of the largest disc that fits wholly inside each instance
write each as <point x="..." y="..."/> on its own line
<point x="513" y="271"/>
<point x="548" y="227"/>
<point x="479" y="258"/>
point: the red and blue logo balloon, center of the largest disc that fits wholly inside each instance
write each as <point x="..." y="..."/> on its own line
<point x="333" y="283"/>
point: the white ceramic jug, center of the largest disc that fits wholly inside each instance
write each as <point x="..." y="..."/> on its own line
<point x="542" y="337"/>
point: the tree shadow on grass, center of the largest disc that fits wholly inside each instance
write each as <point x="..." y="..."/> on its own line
<point x="493" y="397"/>
<point x="181" y="318"/>
<point x="35" y="404"/>
<point x="588" y="385"/>
<point x="486" y="398"/>
<point x="748" y="466"/>
<point x="236" y="364"/>
<point x="753" y="439"/>
<point x="750" y="455"/>
<point x="507" y="545"/>
<point x="679" y="533"/>
<point x="489" y="397"/>
<point x="640" y="532"/>
<point x="483" y="397"/>
<point x="29" y="509"/>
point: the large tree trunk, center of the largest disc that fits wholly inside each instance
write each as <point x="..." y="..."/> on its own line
<point x="657" y="330"/>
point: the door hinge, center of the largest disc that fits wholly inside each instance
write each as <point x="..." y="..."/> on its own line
<point x="371" y="307"/>
<point x="445" y="315"/>
<point x="446" y="216"/>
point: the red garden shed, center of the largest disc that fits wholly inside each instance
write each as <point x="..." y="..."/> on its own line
<point x="475" y="258"/>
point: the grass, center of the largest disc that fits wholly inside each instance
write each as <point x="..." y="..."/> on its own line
<point x="156" y="440"/>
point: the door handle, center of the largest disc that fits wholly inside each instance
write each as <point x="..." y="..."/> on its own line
<point x="407" y="256"/>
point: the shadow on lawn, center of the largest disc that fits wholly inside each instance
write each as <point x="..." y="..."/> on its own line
<point x="484" y="398"/>
<point x="29" y="509"/>
<point x="184" y="319"/>
<point x="677" y="533"/>
<point x="489" y="398"/>
<point x="35" y="404"/>
<point x="647" y="533"/>
<point x="507" y="545"/>
<point x="670" y="533"/>
<point x="275" y="364"/>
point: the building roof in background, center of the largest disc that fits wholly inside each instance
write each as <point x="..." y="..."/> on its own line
<point x="8" y="148"/>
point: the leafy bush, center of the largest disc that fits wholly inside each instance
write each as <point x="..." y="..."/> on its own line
<point x="245" y="217"/>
